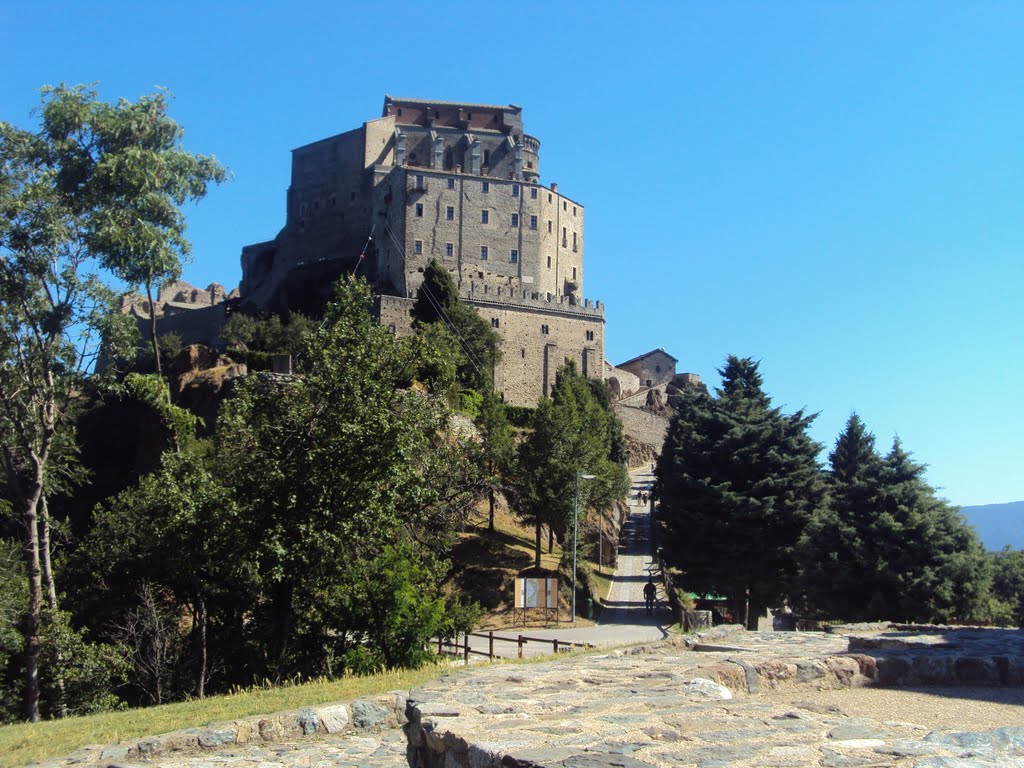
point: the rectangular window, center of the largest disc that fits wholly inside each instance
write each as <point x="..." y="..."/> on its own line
<point x="494" y="322"/>
<point x="544" y="330"/>
<point x="549" y="226"/>
<point x="418" y="246"/>
<point x="449" y="213"/>
<point x="574" y="273"/>
<point x="533" y="222"/>
<point x="485" y="216"/>
<point x="513" y="255"/>
<point x="451" y="183"/>
<point x="533" y="193"/>
<point x="574" y="241"/>
<point x="419" y="181"/>
<point x="483" y="253"/>
<point x="449" y="249"/>
<point x="574" y="210"/>
<point x="549" y="262"/>
<point x="485" y="187"/>
<point x="515" y="190"/>
<point x="549" y="197"/>
<point x="419" y="210"/>
<point x="515" y="219"/>
<point x="590" y="335"/>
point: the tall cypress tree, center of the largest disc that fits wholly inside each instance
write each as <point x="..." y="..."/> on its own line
<point x="835" y="551"/>
<point x="738" y="481"/>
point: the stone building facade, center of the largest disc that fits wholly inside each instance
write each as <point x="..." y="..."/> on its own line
<point x="451" y="182"/>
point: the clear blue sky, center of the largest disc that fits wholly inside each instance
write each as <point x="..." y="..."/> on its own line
<point x="835" y="189"/>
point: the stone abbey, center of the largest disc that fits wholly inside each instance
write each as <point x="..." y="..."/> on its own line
<point x="455" y="183"/>
<point x="429" y="180"/>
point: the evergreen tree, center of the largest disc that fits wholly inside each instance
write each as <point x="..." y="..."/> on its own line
<point x="497" y="448"/>
<point x="479" y="345"/>
<point x="572" y="433"/>
<point x="887" y="548"/>
<point x="738" y="481"/>
<point x="834" y="552"/>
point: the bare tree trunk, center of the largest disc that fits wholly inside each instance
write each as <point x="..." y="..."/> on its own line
<point x="490" y="518"/>
<point x="152" y="329"/>
<point x="28" y="500"/>
<point x="60" y="705"/>
<point x="536" y="549"/>
<point x="551" y="539"/>
<point x="201" y="648"/>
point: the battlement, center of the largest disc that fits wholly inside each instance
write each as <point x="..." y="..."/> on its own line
<point x="527" y="299"/>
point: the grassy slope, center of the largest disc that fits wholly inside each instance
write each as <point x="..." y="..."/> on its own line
<point x="486" y="565"/>
<point x="27" y="742"/>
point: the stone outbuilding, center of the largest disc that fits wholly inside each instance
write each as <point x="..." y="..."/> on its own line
<point x="653" y="369"/>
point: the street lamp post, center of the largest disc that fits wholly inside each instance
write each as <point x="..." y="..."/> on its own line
<point x="575" y="519"/>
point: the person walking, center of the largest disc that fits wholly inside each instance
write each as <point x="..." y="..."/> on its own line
<point x="650" y="593"/>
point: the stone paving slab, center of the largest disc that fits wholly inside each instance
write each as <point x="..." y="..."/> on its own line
<point x="665" y="705"/>
<point x="704" y="701"/>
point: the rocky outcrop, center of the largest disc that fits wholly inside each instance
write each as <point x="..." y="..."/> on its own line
<point x="199" y="376"/>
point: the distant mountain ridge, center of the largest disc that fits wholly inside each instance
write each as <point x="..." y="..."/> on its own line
<point x="998" y="524"/>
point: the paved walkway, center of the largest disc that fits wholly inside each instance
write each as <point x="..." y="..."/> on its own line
<point x="624" y="619"/>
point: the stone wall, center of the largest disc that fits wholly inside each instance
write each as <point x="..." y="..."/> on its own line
<point x="537" y="337"/>
<point x="642" y="426"/>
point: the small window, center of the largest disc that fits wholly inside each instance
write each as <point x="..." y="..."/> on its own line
<point x="399" y="111"/>
<point x="544" y="330"/>
<point x="565" y="207"/>
<point x="485" y="187"/>
<point x="418" y="246"/>
<point x="549" y="197"/>
<point x="533" y="190"/>
<point x="522" y="353"/>
<point x="574" y="273"/>
<point x="449" y="213"/>
<point x="549" y="226"/>
<point x="533" y="222"/>
<point x="419" y="181"/>
<point x="449" y="249"/>
<point x="657" y="369"/>
<point x="549" y="262"/>
<point x="485" y="216"/>
<point x="515" y="190"/>
<point x="574" y="241"/>
<point x="419" y="210"/>
<point x="574" y="210"/>
<point x="483" y="253"/>
<point x="487" y="157"/>
<point x="513" y="255"/>
<point x="590" y="335"/>
<point x="451" y="183"/>
<point x="494" y="322"/>
<point x="515" y="219"/>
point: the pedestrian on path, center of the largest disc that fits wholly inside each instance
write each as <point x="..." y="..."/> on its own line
<point x="650" y="592"/>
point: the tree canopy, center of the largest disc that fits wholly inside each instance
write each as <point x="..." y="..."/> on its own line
<point x="737" y="481"/>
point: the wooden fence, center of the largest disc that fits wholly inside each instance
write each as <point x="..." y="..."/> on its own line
<point x="452" y="647"/>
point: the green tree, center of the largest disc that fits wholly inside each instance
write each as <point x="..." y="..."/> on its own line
<point x="737" y="482"/>
<point x="497" y="449"/>
<point x="887" y="547"/>
<point x="479" y="345"/>
<point x="177" y="528"/>
<point x="1008" y="583"/>
<point x="54" y="311"/>
<point x="834" y="551"/>
<point x="571" y="433"/>
<point x="122" y="169"/>
<point x="329" y="471"/>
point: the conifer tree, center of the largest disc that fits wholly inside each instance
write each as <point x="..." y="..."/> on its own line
<point x="738" y="481"/>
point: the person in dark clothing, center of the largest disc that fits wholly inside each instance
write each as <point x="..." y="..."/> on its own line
<point x="650" y="592"/>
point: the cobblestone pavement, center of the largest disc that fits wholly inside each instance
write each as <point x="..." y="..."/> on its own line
<point x="663" y="706"/>
<point x="383" y="750"/>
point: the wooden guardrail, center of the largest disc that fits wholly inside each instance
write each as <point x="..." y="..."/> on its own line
<point x="454" y="648"/>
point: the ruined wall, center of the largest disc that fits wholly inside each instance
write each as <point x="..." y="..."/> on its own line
<point x="642" y="426"/>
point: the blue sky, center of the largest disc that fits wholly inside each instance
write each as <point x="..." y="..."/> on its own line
<point x="832" y="188"/>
